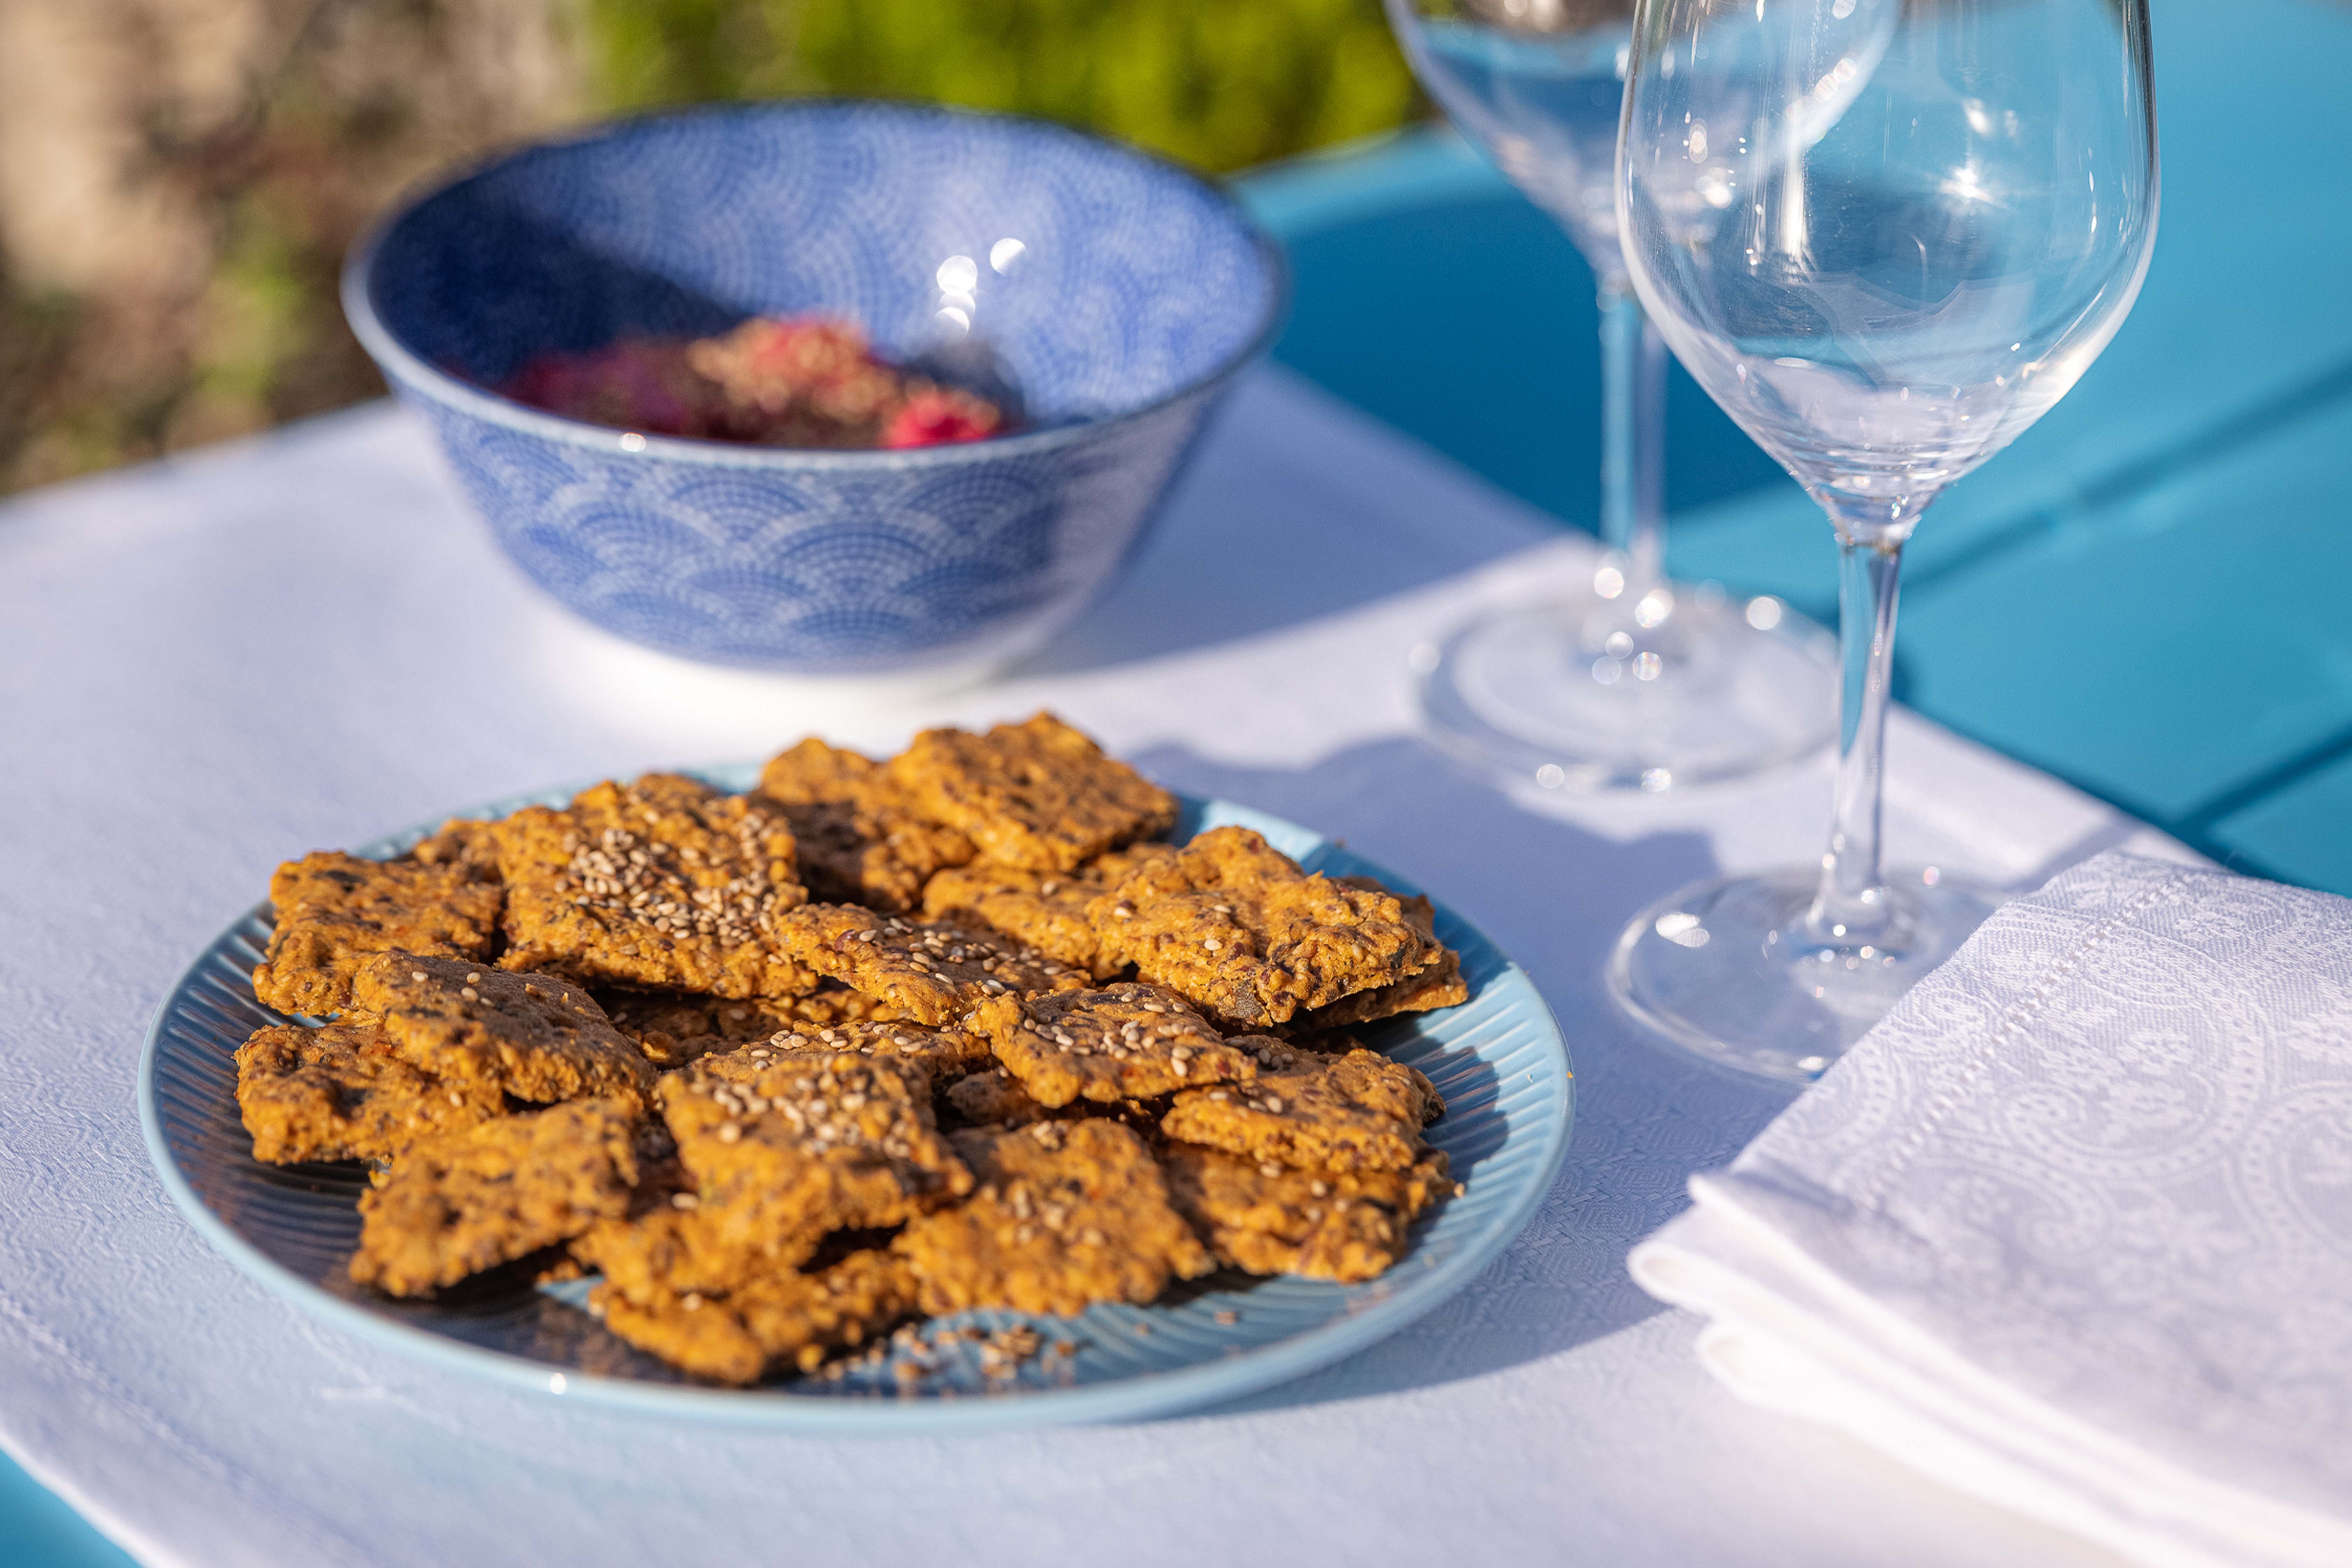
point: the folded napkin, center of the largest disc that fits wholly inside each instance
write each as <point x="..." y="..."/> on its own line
<point x="2072" y="1229"/>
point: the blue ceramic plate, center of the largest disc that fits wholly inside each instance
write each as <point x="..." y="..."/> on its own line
<point x="1497" y="1059"/>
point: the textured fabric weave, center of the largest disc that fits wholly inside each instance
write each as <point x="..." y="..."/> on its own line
<point x="2073" y="1227"/>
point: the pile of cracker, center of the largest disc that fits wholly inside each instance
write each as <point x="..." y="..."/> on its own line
<point x="873" y="1041"/>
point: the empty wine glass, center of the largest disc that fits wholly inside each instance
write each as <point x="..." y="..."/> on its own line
<point x="1887" y="235"/>
<point x="1633" y="681"/>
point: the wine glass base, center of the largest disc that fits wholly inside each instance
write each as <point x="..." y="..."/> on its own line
<point x="1727" y="970"/>
<point x="1574" y="694"/>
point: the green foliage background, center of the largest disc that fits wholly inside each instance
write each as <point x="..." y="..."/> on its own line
<point x="1220" y="83"/>
<point x="86" y="382"/>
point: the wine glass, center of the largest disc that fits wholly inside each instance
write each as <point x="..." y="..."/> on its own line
<point x="1633" y="681"/>
<point x="1887" y="235"/>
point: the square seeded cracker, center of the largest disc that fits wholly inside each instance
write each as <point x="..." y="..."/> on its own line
<point x="470" y="843"/>
<point x="784" y="1318"/>
<point x="1066" y="1213"/>
<point x="747" y="1128"/>
<point x="460" y="1201"/>
<point x="1123" y="1042"/>
<point x="776" y="1150"/>
<point x="1046" y="909"/>
<point x="1346" y="1226"/>
<point x="1037" y="794"/>
<point x="1235" y="926"/>
<point x="945" y="1054"/>
<point x="342" y="1092"/>
<point x="536" y="1037"/>
<point x="664" y="884"/>
<point x="671" y="1243"/>
<point x="930" y="971"/>
<point x="1359" y="1112"/>
<point x="861" y="839"/>
<point x="336" y="912"/>
<point x="1438" y="982"/>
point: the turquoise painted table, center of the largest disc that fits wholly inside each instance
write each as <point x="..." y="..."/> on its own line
<point x="2150" y="595"/>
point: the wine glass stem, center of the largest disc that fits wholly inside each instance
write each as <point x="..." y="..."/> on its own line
<point x="1852" y="906"/>
<point x="1633" y="439"/>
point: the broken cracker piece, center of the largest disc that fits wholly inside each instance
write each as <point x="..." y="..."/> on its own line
<point x="1066" y="1213"/>
<point x="342" y="1092"/>
<point x="785" y="1318"/>
<point x="335" y="912"/>
<point x="1038" y="795"/>
<point x="1123" y="1042"/>
<point x="1238" y="927"/>
<point x="460" y="1201"/>
<point x="536" y="1037"/>
<point x="1361" y="1111"/>
<point x="861" y="838"/>
<point x="1438" y="982"/>
<point x="1344" y="1225"/>
<point x="931" y="972"/>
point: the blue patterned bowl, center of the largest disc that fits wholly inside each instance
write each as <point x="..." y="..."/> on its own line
<point x="1115" y="294"/>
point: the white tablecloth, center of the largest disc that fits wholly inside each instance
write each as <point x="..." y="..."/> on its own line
<point x="209" y="665"/>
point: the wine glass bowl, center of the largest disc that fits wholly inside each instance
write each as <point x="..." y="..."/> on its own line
<point x="1914" y="227"/>
<point x="1630" y="681"/>
<point x="1539" y="85"/>
<point x="1887" y="237"/>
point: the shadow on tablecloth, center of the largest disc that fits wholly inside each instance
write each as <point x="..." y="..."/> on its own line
<point x="1299" y="509"/>
<point x="1554" y="897"/>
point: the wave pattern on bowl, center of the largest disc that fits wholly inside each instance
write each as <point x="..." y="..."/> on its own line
<point x="1136" y="291"/>
<point x="822" y="571"/>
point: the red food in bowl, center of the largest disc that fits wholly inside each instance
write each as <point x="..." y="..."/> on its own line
<point x="799" y="381"/>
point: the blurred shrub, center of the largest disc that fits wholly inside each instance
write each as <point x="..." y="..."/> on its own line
<point x="1220" y="83"/>
<point x="179" y="179"/>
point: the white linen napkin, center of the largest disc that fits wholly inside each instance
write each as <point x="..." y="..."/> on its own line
<point x="2072" y="1229"/>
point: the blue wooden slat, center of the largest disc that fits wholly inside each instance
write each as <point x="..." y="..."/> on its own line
<point x="2168" y="650"/>
<point x="2303" y="831"/>
<point x="2242" y="313"/>
<point x="1772" y="539"/>
<point x="39" y="1530"/>
<point x="2242" y="322"/>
